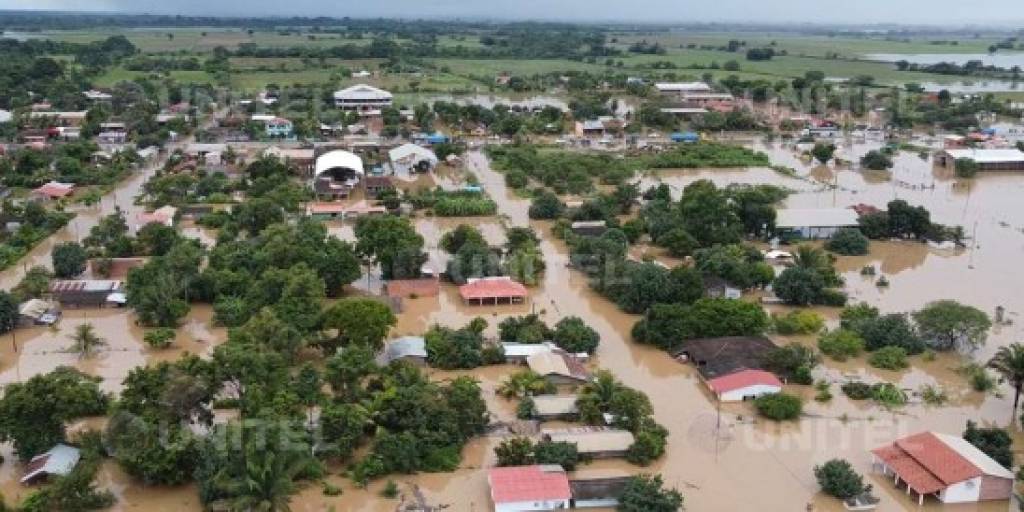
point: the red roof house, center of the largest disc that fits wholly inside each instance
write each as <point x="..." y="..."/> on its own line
<point x="54" y="190"/>
<point x="493" y="289"/>
<point x="946" y="466"/>
<point x="744" y="385"/>
<point x="521" y="488"/>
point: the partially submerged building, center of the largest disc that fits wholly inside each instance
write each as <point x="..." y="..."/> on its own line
<point x="412" y="158"/>
<point x="407" y="348"/>
<point x="944" y="466"/>
<point x="53" y="190"/>
<point x="493" y="290"/>
<point x="731" y="367"/>
<point x="814" y="223"/>
<point x="554" y="407"/>
<point x="37" y="312"/>
<point x="518" y="353"/>
<point x="336" y="173"/>
<point x="986" y="159"/>
<point x="559" y="367"/>
<point x="529" y="488"/>
<point x="593" y="442"/>
<point x="57" y="461"/>
<point x="86" y="292"/>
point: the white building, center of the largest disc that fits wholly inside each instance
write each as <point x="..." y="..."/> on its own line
<point x="362" y="98"/>
<point x="336" y="173"/>
<point x="744" y="385"/>
<point x="815" y="222"/>
<point x="529" y="488"/>
<point x="410" y="158"/>
<point x="680" y="88"/>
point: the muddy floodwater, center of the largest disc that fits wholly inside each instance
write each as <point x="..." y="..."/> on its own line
<point x="721" y="458"/>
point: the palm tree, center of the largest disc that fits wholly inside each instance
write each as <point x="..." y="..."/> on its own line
<point x="267" y="479"/>
<point x="86" y="342"/>
<point x="1009" y="364"/>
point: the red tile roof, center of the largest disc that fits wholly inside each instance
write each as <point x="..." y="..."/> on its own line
<point x="926" y="463"/>
<point x="743" y="379"/>
<point x="492" y="287"/>
<point x="55" y="190"/>
<point x="528" y="483"/>
<point x="935" y="455"/>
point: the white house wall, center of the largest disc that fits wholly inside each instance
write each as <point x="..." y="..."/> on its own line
<point x="968" y="491"/>
<point x="531" y="506"/>
<point x="757" y="390"/>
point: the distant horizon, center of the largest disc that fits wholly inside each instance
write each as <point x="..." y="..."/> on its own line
<point x="947" y="15"/>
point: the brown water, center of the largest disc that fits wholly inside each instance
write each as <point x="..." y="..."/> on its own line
<point x="722" y="459"/>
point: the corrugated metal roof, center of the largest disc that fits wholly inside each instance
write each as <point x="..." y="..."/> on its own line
<point x="528" y="483"/>
<point x="815" y="217"/>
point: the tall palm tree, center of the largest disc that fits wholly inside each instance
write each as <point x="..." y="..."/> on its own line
<point x="86" y="341"/>
<point x="267" y="481"/>
<point x="1008" y="362"/>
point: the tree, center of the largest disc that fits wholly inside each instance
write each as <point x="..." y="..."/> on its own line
<point x="966" y="167"/>
<point x="876" y="160"/>
<point x="33" y="414"/>
<point x="546" y="205"/>
<point x="848" y="242"/>
<point x="823" y="152"/>
<point x="708" y="215"/>
<point x="463" y="234"/>
<point x="679" y="242"/>
<point x="561" y="453"/>
<point x="645" y="493"/>
<point x="893" y="329"/>
<point x="841" y="344"/>
<point x="393" y="244"/>
<point x="889" y="358"/>
<point x="68" y="259"/>
<point x="343" y="426"/>
<point x="779" y="406"/>
<point x="157" y="454"/>
<point x="799" y="286"/>
<point x="1008" y="362"/>
<point x="524" y="329"/>
<point x="515" y="451"/>
<point x="8" y="312"/>
<point x="948" y="325"/>
<point x="160" y="337"/>
<point x="573" y="335"/>
<point x="357" y="321"/>
<point x="669" y="325"/>
<point x="993" y="441"/>
<point x="85" y="341"/>
<point x="838" y="479"/>
<point x="793" y="362"/>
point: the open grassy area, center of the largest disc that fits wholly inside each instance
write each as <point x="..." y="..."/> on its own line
<point x="199" y="39"/>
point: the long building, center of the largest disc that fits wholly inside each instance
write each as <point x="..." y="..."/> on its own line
<point x="363" y="98"/>
<point x="987" y="159"/>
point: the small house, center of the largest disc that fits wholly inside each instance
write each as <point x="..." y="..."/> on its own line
<point x="57" y="461"/>
<point x="593" y="442"/>
<point x="53" y="190"/>
<point x="554" y="407"/>
<point x="593" y="488"/>
<point x="559" y="367"/>
<point x="589" y="227"/>
<point x="493" y="290"/>
<point x="406" y="348"/>
<point x="744" y="385"/>
<point x="518" y="353"/>
<point x="164" y="215"/>
<point x="529" y="488"/>
<point x="377" y="185"/>
<point x="411" y="158"/>
<point x="85" y="292"/>
<point x="986" y="159"/>
<point x="815" y="223"/>
<point x="37" y="312"/>
<point x="279" y="128"/>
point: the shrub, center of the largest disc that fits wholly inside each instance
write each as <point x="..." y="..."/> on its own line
<point x="876" y="161"/>
<point x="573" y="335"/>
<point x="966" y="168"/>
<point x="856" y="390"/>
<point x="888" y="394"/>
<point x="390" y="490"/>
<point x="561" y="453"/>
<point x="824" y="394"/>
<point x="848" y="242"/>
<point x="798" y="322"/>
<point x="841" y="344"/>
<point x="838" y="479"/>
<point x="889" y="358"/>
<point x="647" y="446"/>
<point x="516" y="179"/>
<point x="779" y="406"/>
<point x="159" y="338"/>
<point x="546" y="206"/>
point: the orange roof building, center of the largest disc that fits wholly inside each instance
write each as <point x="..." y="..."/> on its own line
<point x="947" y="467"/>
<point x="493" y="290"/>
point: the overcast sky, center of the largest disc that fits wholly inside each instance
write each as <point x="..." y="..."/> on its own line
<point x="945" y="12"/>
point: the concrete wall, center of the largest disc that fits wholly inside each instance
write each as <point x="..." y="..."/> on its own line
<point x="995" y="488"/>
<point x="967" y="491"/>
<point x="528" y="506"/>
<point x="755" y="391"/>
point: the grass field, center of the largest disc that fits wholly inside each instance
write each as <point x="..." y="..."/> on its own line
<point x="199" y="39"/>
